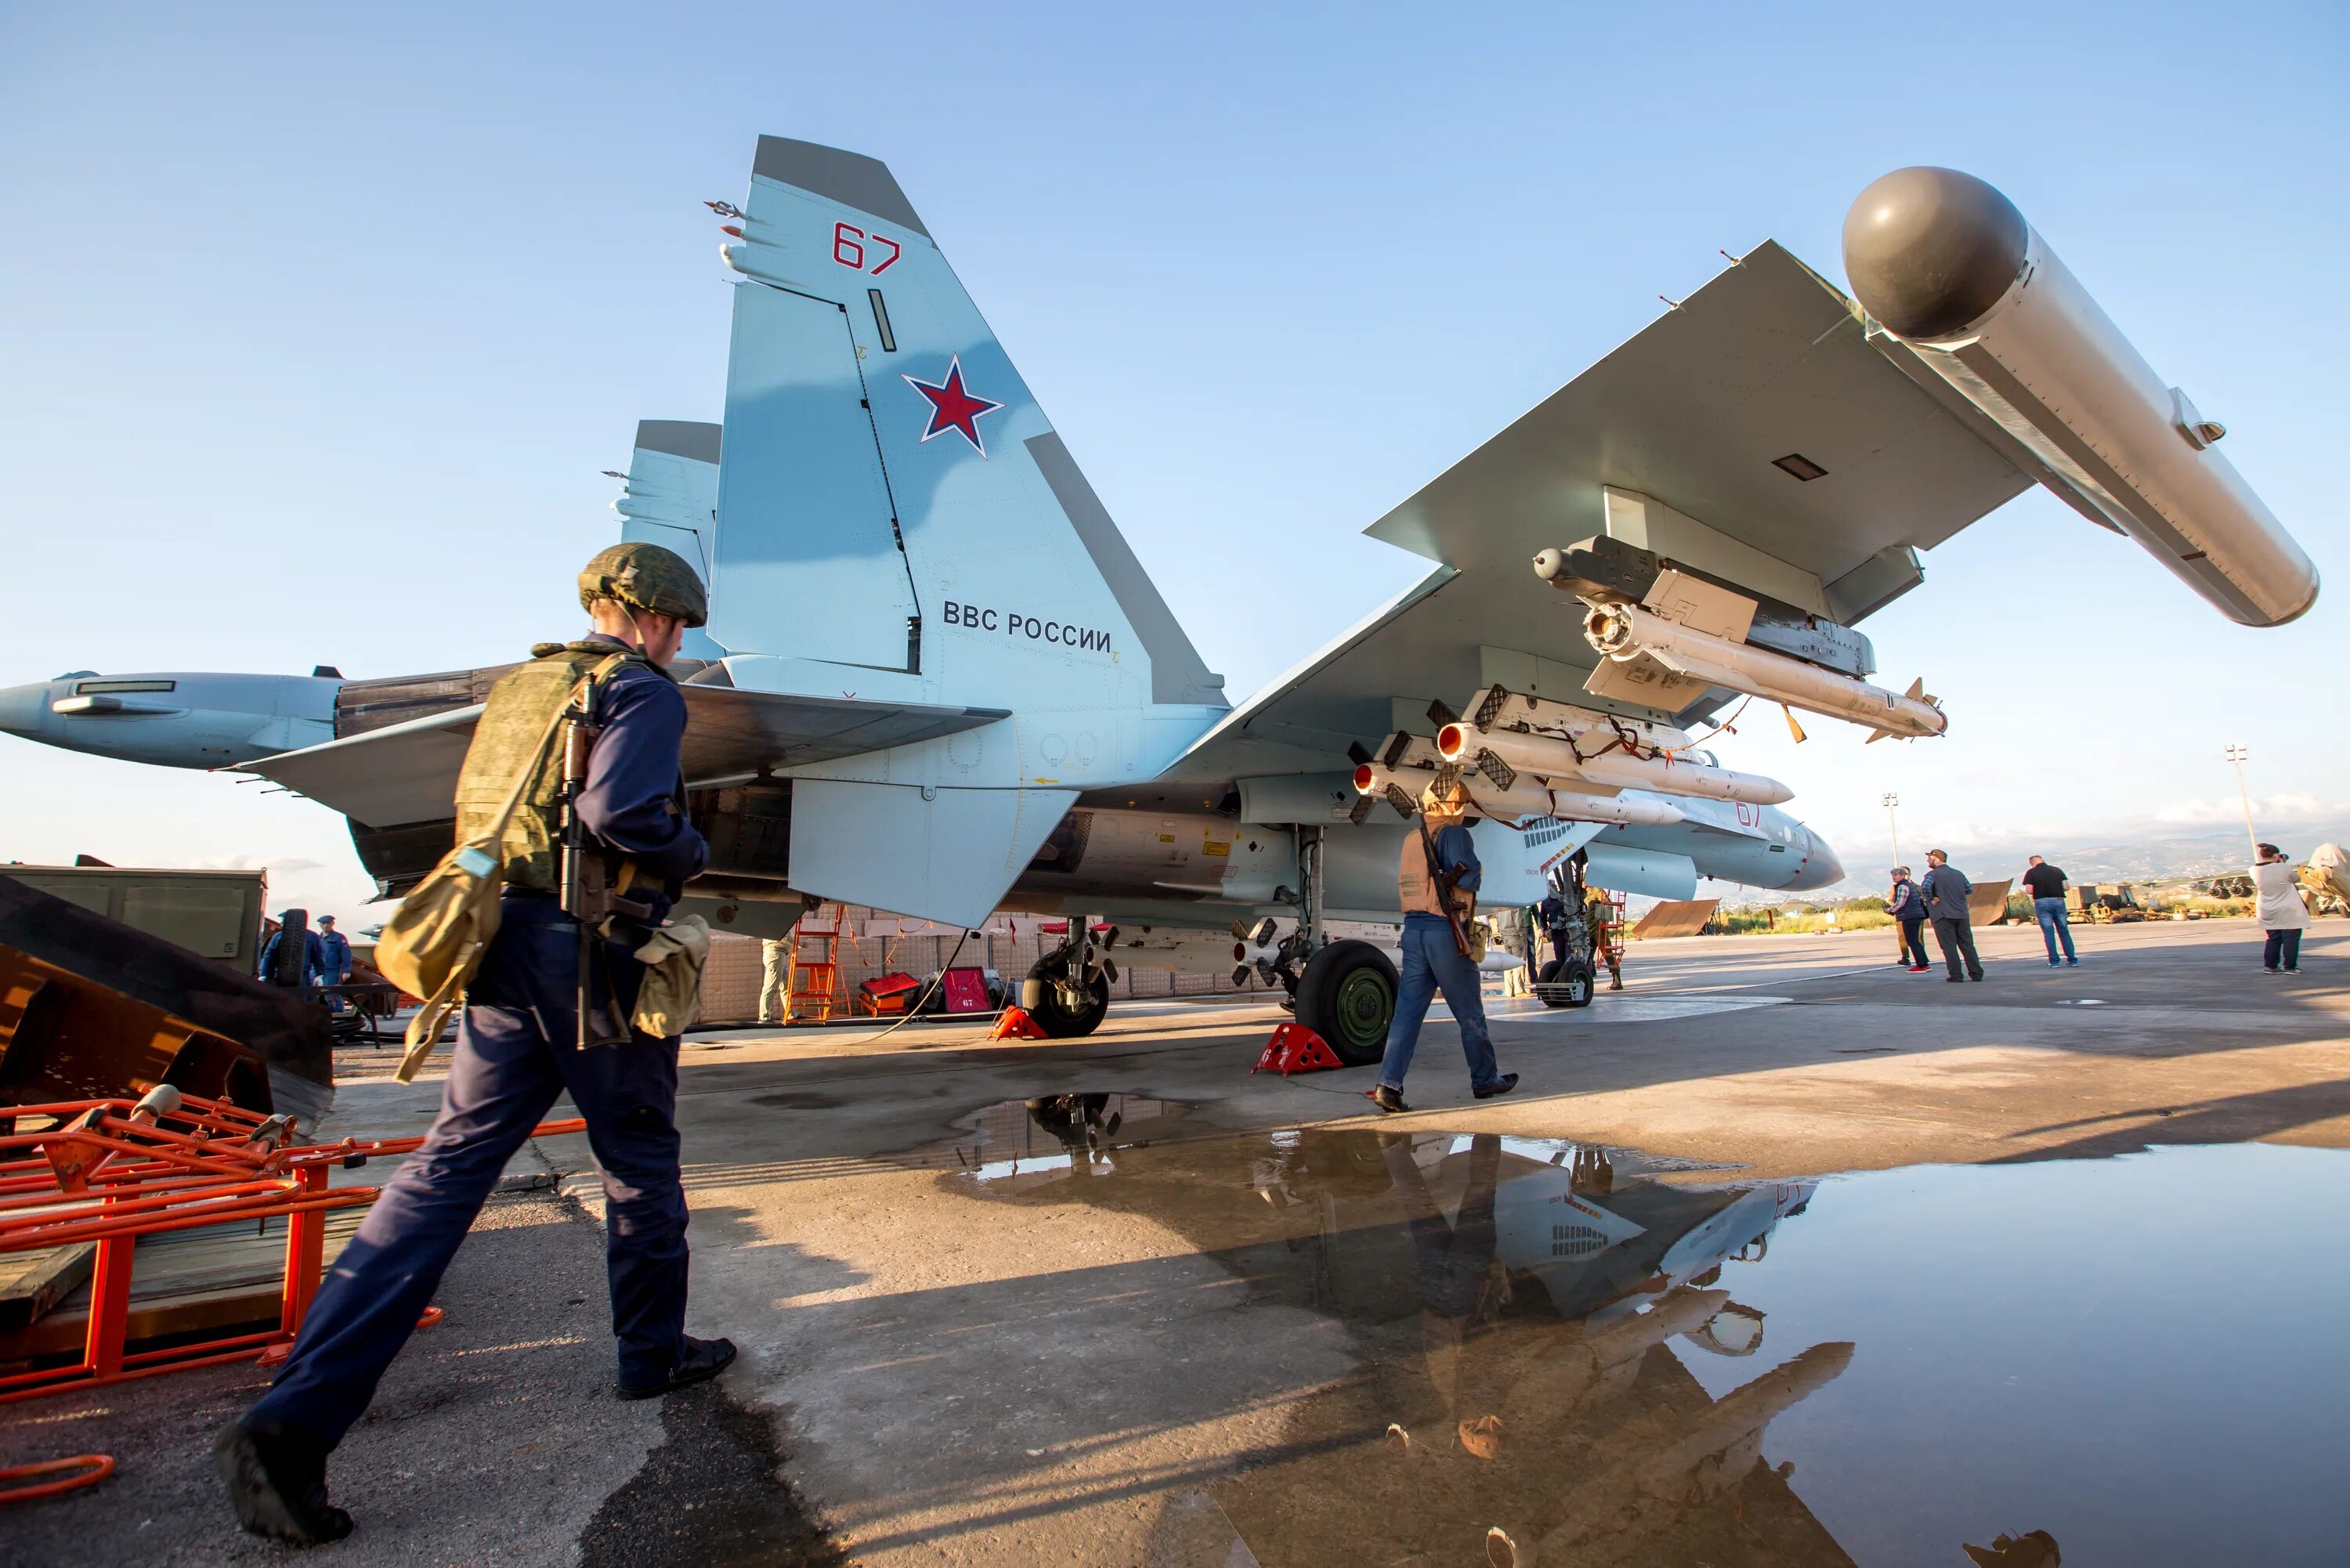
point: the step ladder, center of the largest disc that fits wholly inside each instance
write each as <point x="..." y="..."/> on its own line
<point x="812" y="988"/>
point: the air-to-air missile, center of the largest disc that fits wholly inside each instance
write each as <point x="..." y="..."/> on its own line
<point x="1624" y="631"/>
<point x="1565" y="763"/>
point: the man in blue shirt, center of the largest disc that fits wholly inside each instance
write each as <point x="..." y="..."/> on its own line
<point x="334" y="960"/>
<point x="313" y="953"/>
<point x="1436" y="883"/>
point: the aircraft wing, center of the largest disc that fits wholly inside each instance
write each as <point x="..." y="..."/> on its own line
<point x="1692" y="439"/>
<point x="408" y="773"/>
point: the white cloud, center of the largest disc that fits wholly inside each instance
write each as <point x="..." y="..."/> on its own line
<point x="2289" y="807"/>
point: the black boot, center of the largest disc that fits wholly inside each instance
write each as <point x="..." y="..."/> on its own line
<point x="277" y="1484"/>
<point x="703" y="1360"/>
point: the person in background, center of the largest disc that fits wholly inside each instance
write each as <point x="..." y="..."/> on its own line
<point x="2281" y="913"/>
<point x="2047" y="885"/>
<point x="1908" y="906"/>
<point x="334" y="960"/>
<point x="314" y="954"/>
<point x="774" y="978"/>
<point x="1946" y="888"/>
<point x="1553" y="913"/>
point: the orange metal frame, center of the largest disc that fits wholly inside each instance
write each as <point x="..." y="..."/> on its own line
<point x="814" y="987"/>
<point x="101" y="1174"/>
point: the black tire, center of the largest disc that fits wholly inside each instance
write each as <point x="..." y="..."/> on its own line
<point x="1056" y="1019"/>
<point x="1347" y="996"/>
<point x="288" y="966"/>
<point x="1567" y="983"/>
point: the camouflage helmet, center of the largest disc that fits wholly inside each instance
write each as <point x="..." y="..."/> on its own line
<point x="645" y="577"/>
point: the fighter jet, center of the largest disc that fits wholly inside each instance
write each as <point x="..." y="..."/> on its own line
<point x="936" y="680"/>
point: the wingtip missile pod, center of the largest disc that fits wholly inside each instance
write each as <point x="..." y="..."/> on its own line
<point x="1969" y="293"/>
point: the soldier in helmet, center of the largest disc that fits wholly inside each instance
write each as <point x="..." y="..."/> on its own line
<point x="519" y="1047"/>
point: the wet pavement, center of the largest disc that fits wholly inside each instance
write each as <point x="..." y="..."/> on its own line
<point x="1118" y="1301"/>
<point x="1573" y="1355"/>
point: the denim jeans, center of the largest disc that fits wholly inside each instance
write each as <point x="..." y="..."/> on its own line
<point x="1432" y="962"/>
<point x="2281" y="944"/>
<point x="1913" y="942"/>
<point x="2055" y="926"/>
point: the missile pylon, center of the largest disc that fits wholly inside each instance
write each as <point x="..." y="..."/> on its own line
<point x="1626" y="631"/>
<point x="1560" y="761"/>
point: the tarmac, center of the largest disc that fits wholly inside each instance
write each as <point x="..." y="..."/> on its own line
<point x="934" y="1372"/>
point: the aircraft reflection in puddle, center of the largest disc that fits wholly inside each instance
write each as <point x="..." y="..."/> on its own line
<point x="1515" y="1301"/>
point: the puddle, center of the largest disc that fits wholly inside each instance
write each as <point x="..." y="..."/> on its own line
<point x="1565" y="1359"/>
<point x="1052" y="1133"/>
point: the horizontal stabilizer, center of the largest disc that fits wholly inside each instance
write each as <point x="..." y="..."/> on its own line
<point x="408" y="773"/>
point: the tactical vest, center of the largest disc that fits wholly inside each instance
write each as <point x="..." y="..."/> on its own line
<point x="505" y="741"/>
<point x="1415" y="888"/>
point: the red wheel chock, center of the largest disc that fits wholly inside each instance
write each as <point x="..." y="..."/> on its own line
<point x="1016" y="1025"/>
<point x="1294" y="1048"/>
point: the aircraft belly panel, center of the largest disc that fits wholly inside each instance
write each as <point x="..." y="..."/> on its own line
<point x="1182" y="857"/>
<point x="1652" y="873"/>
<point x="947" y="855"/>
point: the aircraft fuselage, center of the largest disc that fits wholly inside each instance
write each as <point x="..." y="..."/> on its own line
<point x="1174" y="869"/>
<point x="174" y="719"/>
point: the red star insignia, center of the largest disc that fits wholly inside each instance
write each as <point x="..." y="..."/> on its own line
<point x="953" y="409"/>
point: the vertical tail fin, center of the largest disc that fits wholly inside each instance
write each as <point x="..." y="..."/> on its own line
<point x="671" y="499"/>
<point x="890" y="496"/>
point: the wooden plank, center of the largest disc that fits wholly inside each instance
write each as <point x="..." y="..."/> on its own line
<point x="32" y="1283"/>
<point x="184" y="1282"/>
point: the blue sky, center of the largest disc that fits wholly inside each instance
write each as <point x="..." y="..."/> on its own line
<point x="317" y="331"/>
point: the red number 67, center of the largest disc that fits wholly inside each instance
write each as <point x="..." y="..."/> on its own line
<point x="850" y="251"/>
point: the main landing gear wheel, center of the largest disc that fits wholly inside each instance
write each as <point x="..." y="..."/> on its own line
<point x="1347" y="996"/>
<point x="1567" y="983"/>
<point x="1045" y="997"/>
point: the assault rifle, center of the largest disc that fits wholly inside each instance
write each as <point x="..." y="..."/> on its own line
<point x="591" y="894"/>
<point x="1468" y="941"/>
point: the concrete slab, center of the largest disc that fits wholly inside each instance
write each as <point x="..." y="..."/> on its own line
<point x="954" y="1378"/>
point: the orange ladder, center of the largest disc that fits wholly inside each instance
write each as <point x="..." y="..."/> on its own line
<point x="812" y="992"/>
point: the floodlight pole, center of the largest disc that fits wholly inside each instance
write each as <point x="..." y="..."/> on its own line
<point x="1893" y="821"/>
<point x="2237" y="754"/>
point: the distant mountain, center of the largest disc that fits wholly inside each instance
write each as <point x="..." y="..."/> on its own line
<point x="2157" y="852"/>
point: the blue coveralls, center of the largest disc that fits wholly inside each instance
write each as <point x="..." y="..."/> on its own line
<point x="333" y="964"/>
<point x="516" y="1051"/>
<point x="1431" y="959"/>
<point x="314" y="954"/>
